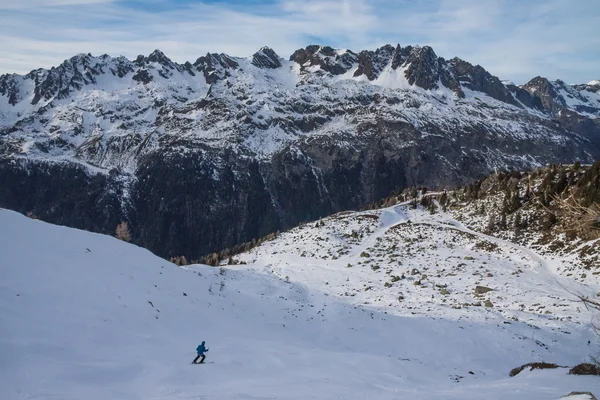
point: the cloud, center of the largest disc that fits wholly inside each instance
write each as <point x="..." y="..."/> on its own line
<point x="511" y="38"/>
<point x="28" y="4"/>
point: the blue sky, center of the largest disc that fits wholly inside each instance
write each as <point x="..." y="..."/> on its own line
<point x="513" y="39"/>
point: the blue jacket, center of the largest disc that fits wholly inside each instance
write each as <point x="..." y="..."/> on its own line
<point x="201" y="349"/>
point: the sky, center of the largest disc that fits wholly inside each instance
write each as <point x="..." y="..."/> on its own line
<point x="513" y="39"/>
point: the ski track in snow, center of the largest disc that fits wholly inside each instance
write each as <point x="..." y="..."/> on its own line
<point x="85" y="316"/>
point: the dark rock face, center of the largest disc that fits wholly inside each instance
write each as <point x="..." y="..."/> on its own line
<point x="266" y="58"/>
<point x="371" y="63"/>
<point x="586" y="127"/>
<point x="423" y="68"/>
<point x="143" y="76"/>
<point x="215" y="204"/>
<point x="478" y="79"/>
<point x="159" y="57"/>
<point x="326" y="58"/>
<point x="215" y="66"/>
<point x="58" y="82"/>
<point x="64" y="194"/>
<point x="199" y="157"/>
<point x="544" y="90"/>
<point x="400" y="55"/>
<point x="525" y="98"/>
<point x="9" y="88"/>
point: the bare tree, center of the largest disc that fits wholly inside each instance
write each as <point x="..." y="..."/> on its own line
<point x="576" y="218"/>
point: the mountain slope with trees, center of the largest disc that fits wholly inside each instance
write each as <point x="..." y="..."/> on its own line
<point x="204" y="155"/>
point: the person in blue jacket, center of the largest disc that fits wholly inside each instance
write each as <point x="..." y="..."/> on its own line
<point x="200" y="350"/>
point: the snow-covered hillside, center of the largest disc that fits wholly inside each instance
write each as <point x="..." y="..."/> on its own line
<point x="87" y="316"/>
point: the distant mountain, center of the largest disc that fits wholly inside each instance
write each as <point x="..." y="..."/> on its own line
<point x="204" y="155"/>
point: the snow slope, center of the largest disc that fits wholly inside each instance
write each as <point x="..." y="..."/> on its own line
<point x="87" y="316"/>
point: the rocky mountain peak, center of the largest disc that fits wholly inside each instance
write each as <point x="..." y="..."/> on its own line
<point x="476" y="78"/>
<point x="336" y="62"/>
<point x="371" y="63"/>
<point x="568" y="102"/>
<point x="425" y="53"/>
<point x="400" y="55"/>
<point x="538" y="83"/>
<point x="215" y="66"/>
<point x="592" y="86"/>
<point x="423" y="67"/>
<point x="81" y="58"/>
<point x="543" y="89"/>
<point x="159" y="57"/>
<point x="119" y="66"/>
<point x="72" y="74"/>
<point x="266" y="58"/>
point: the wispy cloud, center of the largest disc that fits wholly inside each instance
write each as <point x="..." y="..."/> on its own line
<point x="511" y="38"/>
<point x="28" y="4"/>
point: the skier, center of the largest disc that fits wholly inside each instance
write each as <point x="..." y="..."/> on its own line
<point x="201" y="350"/>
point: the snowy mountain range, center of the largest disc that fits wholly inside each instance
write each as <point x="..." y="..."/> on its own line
<point x="199" y="156"/>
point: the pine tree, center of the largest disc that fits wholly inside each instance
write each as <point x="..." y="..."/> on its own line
<point x="517" y="222"/>
<point x="432" y="208"/>
<point x="515" y="202"/>
<point x="527" y="193"/>
<point x="561" y="183"/>
<point x="503" y="220"/>
<point x="491" y="225"/>
<point x="444" y="199"/>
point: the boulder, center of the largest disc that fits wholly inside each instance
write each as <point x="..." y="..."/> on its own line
<point x="482" y="289"/>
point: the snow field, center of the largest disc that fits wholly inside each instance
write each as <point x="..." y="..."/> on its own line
<point x="84" y="315"/>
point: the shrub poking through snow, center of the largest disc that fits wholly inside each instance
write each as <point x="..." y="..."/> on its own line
<point x="181" y="260"/>
<point x="585" y="369"/>
<point x="122" y="232"/>
<point x="532" y="366"/>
